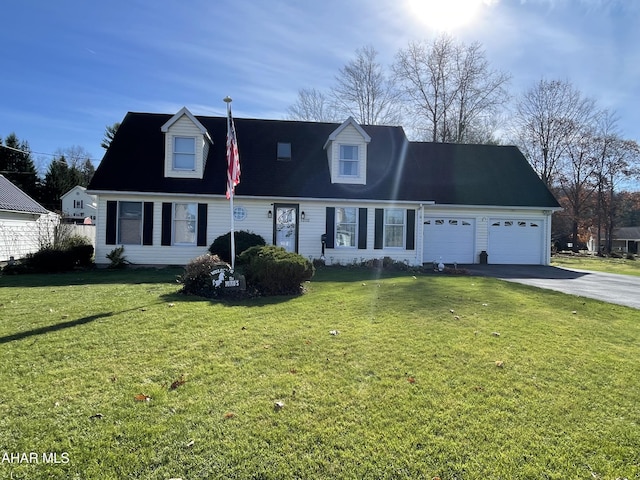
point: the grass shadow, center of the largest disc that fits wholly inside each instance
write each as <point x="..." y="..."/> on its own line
<point x="53" y="328"/>
<point x="97" y="276"/>
<point x="60" y="326"/>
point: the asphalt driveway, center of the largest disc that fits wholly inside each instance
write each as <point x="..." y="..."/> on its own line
<point x="608" y="287"/>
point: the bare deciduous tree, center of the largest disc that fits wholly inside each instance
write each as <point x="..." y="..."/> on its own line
<point x="615" y="160"/>
<point x="450" y="87"/>
<point x="547" y="118"/>
<point x="312" y="106"/>
<point x="364" y="92"/>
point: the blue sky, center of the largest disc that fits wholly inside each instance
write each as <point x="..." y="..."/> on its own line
<point x="72" y="67"/>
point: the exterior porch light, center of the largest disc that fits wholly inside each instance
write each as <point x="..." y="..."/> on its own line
<point x="302" y="215"/>
<point x="269" y="214"/>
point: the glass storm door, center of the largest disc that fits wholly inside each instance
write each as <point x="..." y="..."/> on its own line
<point x="285" y="228"/>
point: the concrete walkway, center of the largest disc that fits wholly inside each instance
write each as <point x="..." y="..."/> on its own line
<point x="608" y="287"/>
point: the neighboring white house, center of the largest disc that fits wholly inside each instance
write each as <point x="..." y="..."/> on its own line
<point x="25" y="225"/>
<point x="345" y="192"/>
<point x="78" y="205"/>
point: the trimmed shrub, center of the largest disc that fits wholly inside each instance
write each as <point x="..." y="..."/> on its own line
<point x="73" y="241"/>
<point x="244" y="240"/>
<point x="50" y="260"/>
<point x="81" y="255"/>
<point x="196" y="279"/>
<point x="272" y="270"/>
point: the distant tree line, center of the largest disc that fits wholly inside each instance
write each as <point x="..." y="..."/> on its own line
<point x="70" y="167"/>
<point x="446" y="91"/>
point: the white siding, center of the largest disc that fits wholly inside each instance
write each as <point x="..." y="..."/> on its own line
<point x="256" y="221"/>
<point x="349" y="255"/>
<point x="482" y="216"/>
<point x="310" y="229"/>
<point x="21" y="233"/>
<point x="88" y="208"/>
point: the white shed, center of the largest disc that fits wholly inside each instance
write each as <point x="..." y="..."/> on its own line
<point x="25" y="225"/>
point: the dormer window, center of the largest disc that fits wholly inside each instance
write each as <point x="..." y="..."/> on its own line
<point x="349" y="161"/>
<point x="284" y="152"/>
<point x="184" y="153"/>
<point x="347" y="153"/>
<point x="186" y="146"/>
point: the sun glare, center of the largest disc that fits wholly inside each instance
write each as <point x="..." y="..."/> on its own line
<point x="447" y="15"/>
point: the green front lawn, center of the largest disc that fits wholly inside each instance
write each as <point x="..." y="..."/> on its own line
<point x="410" y="387"/>
<point x="600" y="264"/>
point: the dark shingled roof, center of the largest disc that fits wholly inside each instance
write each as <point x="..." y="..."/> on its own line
<point x="626" y="233"/>
<point x="396" y="168"/>
<point x="13" y="199"/>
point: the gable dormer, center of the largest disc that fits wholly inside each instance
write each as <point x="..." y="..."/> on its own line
<point x="186" y="146"/>
<point x="347" y="153"/>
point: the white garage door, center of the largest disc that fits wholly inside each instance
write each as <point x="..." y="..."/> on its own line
<point x="515" y="241"/>
<point x="449" y="239"/>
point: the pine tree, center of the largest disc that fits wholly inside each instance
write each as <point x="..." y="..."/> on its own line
<point x="17" y="165"/>
<point x="59" y="179"/>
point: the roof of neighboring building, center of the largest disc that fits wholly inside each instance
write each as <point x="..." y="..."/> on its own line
<point x="13" y="199"/>
<point x="77" y="187"/>
<point x="626" y="233"/>
<point x="396" y="168"/>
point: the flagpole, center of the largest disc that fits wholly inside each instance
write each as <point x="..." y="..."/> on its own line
<point x="230" y="186"/>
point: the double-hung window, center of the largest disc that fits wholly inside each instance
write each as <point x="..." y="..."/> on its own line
<point x="346" y="226"/>
<point x="185" y="218"/>
<point x="184" y="153"/>
<point x="394" y="227"/>
<point x="349" y="161"/>
<point x="130" y="223"/>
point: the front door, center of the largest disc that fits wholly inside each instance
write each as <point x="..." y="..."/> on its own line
<point x="285" y="226"/>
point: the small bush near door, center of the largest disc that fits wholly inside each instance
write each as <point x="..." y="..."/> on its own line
<point x="272" y="270"/>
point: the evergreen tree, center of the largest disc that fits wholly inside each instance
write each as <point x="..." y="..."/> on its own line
<point x="109" y="133"/>
<point x="59" y="179"/>
<point x="17" y="165"/>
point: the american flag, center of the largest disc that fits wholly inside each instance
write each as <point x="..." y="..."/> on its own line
<point x="233" y="159"/>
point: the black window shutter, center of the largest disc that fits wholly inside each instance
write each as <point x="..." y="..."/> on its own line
<point x="362" y="228"/>
<point x="202" y="224"/>
<point x="112" y="222"/>
<point x="378" y="240"/>
<point x="411" y="229"/>
<point x="165" y="236"/>
<point x="330" y="227"/>
<point x="147" y="227"/>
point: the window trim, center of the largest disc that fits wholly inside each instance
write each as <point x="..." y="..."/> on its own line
<point x="174" y="220"/>
<point x="119" y="227"/>
<point x="356" y="224"/>
<point x="174" y="152"/>
<point x="385" y="224"/>
<point x="342" y="161"/>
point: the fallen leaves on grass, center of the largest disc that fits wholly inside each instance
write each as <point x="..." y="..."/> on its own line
<point x="411" y="380"/>
<point x="229" y="415"/>
<point x="141" y="397"/>
<point x="177" y="383"/>
<point x="499" y="363"/>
